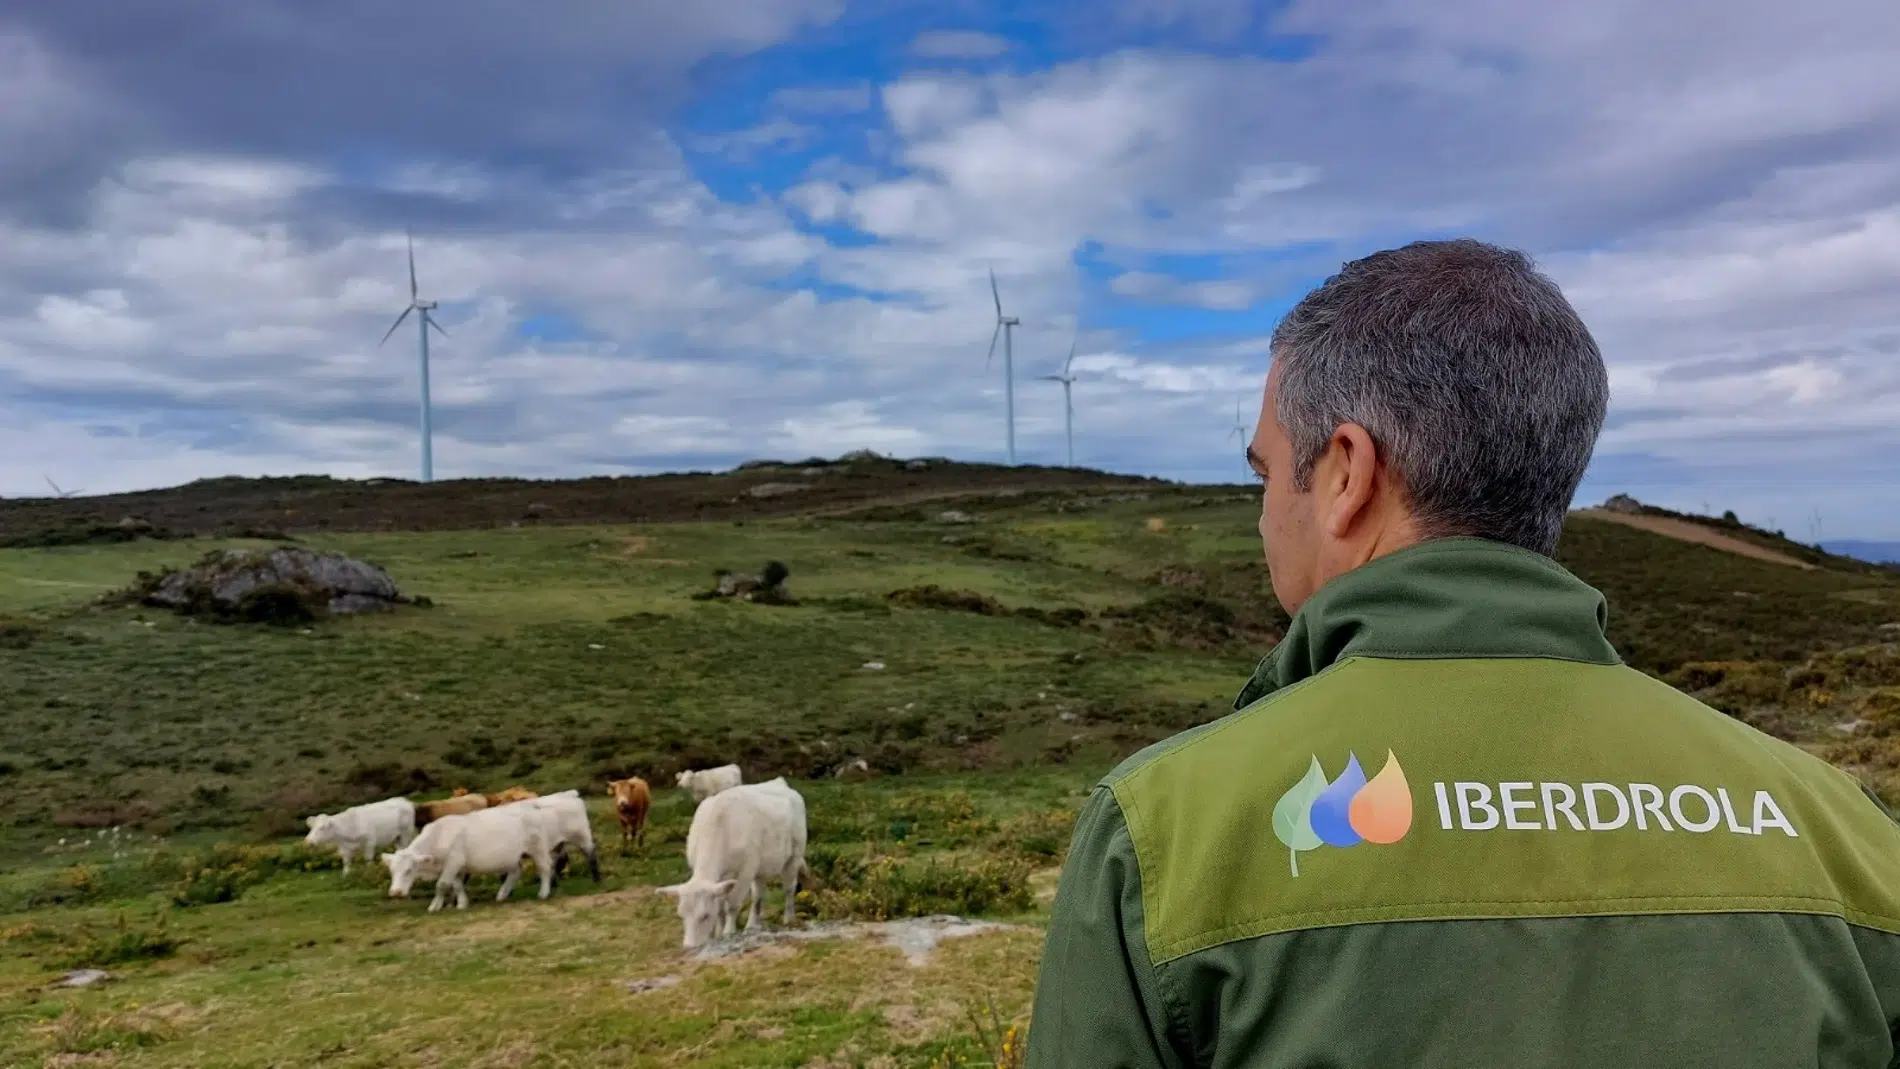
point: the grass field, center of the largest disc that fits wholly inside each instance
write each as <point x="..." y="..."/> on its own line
<point x="1023" y="654"/>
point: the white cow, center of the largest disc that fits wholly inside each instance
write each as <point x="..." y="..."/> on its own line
<point x="563" y="818"/>
<point x="707" y="782"/>
<point x="363" y="828"/>
<point x="484" y="842"/>
<point x="740" y="838"/>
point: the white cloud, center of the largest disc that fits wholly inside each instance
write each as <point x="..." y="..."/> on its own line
<point x="1720" y="206"/>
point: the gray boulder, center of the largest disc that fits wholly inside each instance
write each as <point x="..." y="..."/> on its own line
<point x="287" y="581"/>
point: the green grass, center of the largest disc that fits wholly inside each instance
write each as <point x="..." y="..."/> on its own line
<point x="376" y="981"/>
<point x="203" y="745"/>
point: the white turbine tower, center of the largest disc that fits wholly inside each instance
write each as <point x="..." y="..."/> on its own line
<point x="1240" y="429"/>
<point x="1006" y="326"/>
<point x="1068" y="408"/>
<point x="423" y="322"/>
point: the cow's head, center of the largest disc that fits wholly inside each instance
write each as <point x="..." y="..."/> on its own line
<point x="320" y="830"/>
<point x="685" y="779"/>
<point x="704" y="907"/>
<point x="404" y="868"/>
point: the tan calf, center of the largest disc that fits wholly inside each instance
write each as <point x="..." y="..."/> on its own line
<point x="631" y="799"/>
<point x="461" y="803"/>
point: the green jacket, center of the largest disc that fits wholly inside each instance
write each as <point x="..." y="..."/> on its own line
<point x="1446" y="826"/>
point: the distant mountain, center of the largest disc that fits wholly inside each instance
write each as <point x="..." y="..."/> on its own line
<point x="1877" y="552"/>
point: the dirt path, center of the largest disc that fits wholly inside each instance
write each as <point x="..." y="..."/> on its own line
<point x="1695" y="532"/>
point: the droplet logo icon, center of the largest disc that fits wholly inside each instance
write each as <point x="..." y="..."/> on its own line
<point x="1382" y="811"/>
<point x="1346" y="812"/>
<point x="1330" y="820"/>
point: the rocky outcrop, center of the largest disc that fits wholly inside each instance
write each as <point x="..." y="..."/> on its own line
<point x="275" y="586"/>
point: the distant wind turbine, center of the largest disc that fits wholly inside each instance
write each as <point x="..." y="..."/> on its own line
<point x="1240" y="429"/>
<point x="423" y="322"/>
<point x="1006" y="326"/>
<point x="57" y="492"/>
<point x="1068" y="408"/>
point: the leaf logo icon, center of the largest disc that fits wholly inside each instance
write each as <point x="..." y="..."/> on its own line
<point x="1292" y="823"/>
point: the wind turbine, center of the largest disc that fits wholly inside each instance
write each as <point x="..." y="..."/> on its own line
<point x="1006" y="326"/>
<point x="1068" y="409"/>
<point x="423" y="322"/>
<point x="57" y="492"/>
<point x="1240" y="429"/>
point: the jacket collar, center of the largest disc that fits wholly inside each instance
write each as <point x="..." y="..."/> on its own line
<point x="1443" y="598"/>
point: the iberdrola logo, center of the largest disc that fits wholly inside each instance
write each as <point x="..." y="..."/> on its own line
<point x="1349" y="809"/>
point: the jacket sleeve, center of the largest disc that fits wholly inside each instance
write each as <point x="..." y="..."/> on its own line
<point x="1098" y="1004"/>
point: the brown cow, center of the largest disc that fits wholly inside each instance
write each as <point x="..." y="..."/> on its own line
<point x="631" y="798"/>
<point x="461" y="803"/>
<point x="513" y="794"/>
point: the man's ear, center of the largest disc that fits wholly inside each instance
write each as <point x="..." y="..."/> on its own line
<point x="1348" y="475"/>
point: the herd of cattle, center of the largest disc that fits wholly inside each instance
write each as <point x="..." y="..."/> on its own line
<point x="742" y="836"/>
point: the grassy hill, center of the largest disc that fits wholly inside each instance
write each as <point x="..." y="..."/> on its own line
<point x="987" y="641"/>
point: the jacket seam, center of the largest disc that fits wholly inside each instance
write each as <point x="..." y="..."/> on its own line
<point x="1171" y="1004"/>
<point x="1208" y="940"/>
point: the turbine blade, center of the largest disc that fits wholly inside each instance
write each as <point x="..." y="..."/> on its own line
<point x="412" y="264"/>
<point x="397" y="323"/>
<point x="995" y="294"/>
<point x="431" y="321"/>
<point x="49" y="481"/>
<point x="1071" y="359"/>
<point x="993" y="336"/>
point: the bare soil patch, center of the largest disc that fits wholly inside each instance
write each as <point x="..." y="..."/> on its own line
<point x="1693" y="532"/>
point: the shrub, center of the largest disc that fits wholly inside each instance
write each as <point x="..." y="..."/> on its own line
<point x="882" y="886"/>
<point x="121" y="944"/>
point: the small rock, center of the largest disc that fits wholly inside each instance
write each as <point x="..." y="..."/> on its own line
<point x="916" y="465"/>
<point x="652" y="983"/>
<point x="1065" y="716"/>
<point x="1895" y="626"/>
<point x="775" y="489"/>
<point x="955" y="516"/>
<point x="595" y="646"/>
<point x="84" y="977"/>
<point x="875" y="666"/>
<point x="855" y="769"/>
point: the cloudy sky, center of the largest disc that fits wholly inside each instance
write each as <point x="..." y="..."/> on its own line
<point x="683" y="235"/>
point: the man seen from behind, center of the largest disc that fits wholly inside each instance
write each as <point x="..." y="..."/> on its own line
<point x="1446" y="826"/>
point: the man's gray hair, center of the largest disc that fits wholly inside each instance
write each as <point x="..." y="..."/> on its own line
<point x="1479" y="384"/>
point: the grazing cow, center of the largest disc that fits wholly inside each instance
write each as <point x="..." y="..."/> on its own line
<point x="363" y="829"/>
<point x="563" y="819"/>
<point x="485" y="842"/>
<point x="631" y="799"/>
<point x="512" y="794"/>
<point x="429" y="812"/>
<point x="740" y="838"/>
<point x="707" y="782"/>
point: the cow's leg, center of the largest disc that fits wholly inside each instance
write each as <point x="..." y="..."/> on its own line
<point x="441" y="894"/>
<point x="461" y="890"/>
<point x="508" y="882"/>
<point x="790" y="880"/>
<point x="593" y="861"/>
